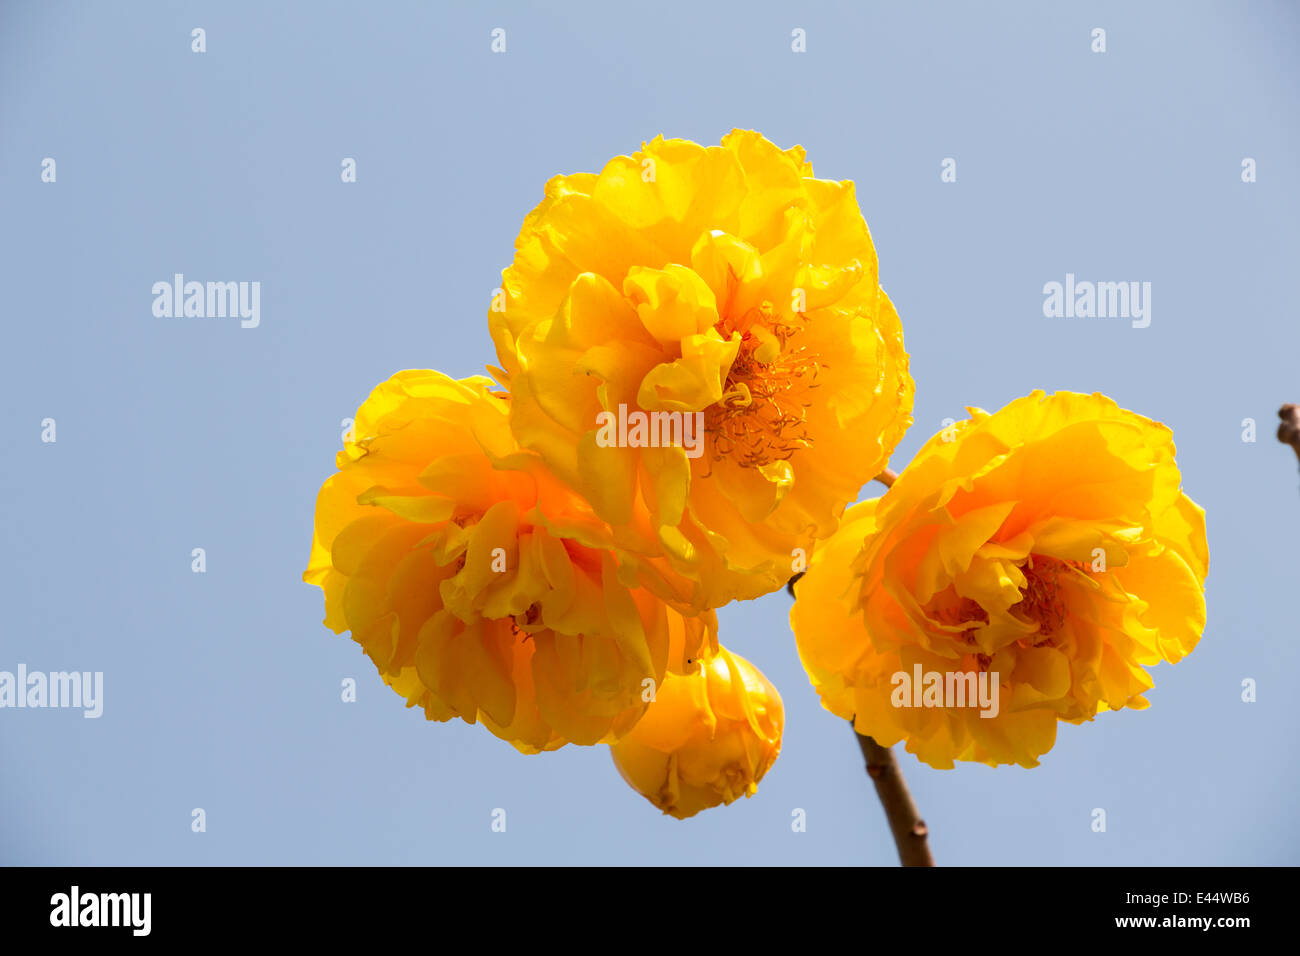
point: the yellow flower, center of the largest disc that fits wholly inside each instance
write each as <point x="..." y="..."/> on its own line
<point x="708" y="738"/>
<point x="729" y="287"/>
<point x="476" y="582"/>
<point x="1047" y="546"/>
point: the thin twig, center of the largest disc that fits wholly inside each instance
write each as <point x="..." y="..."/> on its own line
<point x="886" y="478"/>
<point x="911" y="835"/>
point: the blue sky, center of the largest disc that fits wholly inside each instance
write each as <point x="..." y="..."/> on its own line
<point x="221" y="690"/>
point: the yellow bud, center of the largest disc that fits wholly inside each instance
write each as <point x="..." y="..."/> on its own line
<point x="707" y="739"/>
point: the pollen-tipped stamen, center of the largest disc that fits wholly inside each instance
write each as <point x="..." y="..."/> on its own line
<point x="761" y="417"/>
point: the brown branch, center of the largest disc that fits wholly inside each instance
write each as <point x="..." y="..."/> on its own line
<point x="1288" y="433"/>
<point x="911" y="835"/>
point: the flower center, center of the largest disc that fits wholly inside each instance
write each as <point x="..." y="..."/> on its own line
<point x="1041" y="603"/>
<point x="762" y="415"/>
<point x="948" y="607"/>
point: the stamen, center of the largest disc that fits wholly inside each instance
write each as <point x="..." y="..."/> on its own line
<point x="965" y="611"/>
<point x="760" y="418"/>
<point x="1042" y="603"/>
<point x="529" y="618"/>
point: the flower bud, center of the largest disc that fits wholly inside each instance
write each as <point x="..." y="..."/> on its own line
<point x="707" y="739"/>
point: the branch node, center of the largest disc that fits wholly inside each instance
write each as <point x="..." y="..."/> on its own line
<point x="911" y="835"/>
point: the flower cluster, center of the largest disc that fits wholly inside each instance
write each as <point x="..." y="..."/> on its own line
<point x="698" y="371"/>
